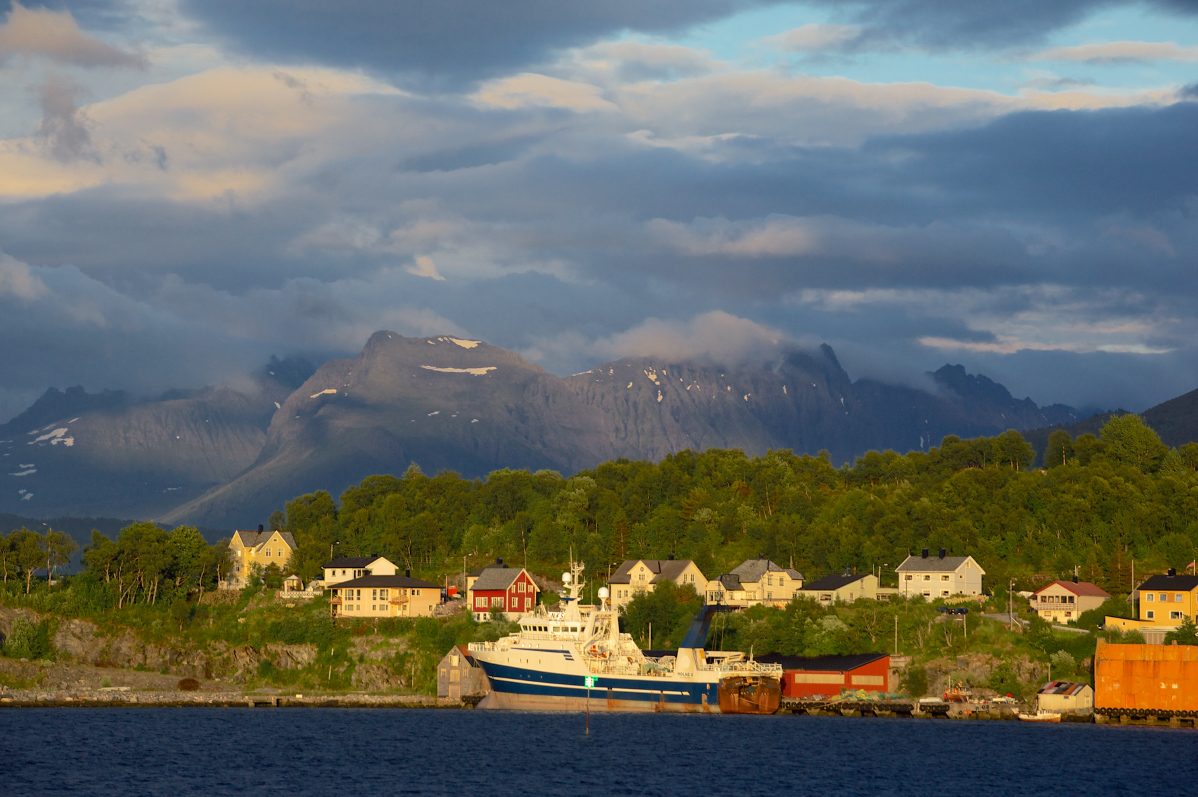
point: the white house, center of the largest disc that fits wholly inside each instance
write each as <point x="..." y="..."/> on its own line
<point x="348" y="568"/>
<point x="941" y="576"/>
<point x="637" y="576"/>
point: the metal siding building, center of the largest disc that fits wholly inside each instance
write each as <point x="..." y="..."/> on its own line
<point x="1135" y="679"/>
<point x="826" y="676"/>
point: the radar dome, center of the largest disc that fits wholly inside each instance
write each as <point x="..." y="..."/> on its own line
<point x="603" y="593"/>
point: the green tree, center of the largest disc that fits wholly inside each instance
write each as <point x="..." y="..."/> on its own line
<point x="1185" y="634"/>
<point x="27" y="639"/>
<point x="1127" y="439"/>
<point x="915" y="681"/>
<point x="1060" y="449"/>
<point x="30" y="554"/>
<point x="188" y="553"/>
<point x="59" y="549"/>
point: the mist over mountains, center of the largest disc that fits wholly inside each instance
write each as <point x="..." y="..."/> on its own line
<point x="221" y="457"/>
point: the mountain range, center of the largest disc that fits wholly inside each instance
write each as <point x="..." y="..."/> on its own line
<point x="220" y="457"/>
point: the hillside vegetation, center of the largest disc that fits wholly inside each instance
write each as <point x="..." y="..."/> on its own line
<point x="1102" y="502"/>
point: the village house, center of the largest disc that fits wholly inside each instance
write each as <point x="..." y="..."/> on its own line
<point x="842" y="589"/>
<point x="459" y="676"/>
<point x="1066" y="697"/>
<point x="1168" y="599"/>
<point x="384" y="596"/>
<point x="755" y="582"/>
<point x="826" y="676"/>
<point x="508" y="589"/>
<point x="261" y="548"/>
<point x="939" y="577"/>
<point x="351" y="567"/>
<point x="638" y="576"/>
<point x="1063" y="601"/>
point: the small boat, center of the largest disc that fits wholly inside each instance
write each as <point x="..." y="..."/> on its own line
<point x="1041" y="716"/>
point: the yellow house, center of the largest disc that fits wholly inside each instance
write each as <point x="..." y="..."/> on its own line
<point x="1167" y="600"/>
<point x="842" y="589"/>
<point x="384" y="596"/>
<point x="351" y="567"/>
<point x="262" y="548"/>
<point x="754" y="582"/>
<point x="637" y="576"/>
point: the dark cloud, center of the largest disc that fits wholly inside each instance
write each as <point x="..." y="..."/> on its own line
<point x="453" y="39"/>
<point x="64" y="128"/>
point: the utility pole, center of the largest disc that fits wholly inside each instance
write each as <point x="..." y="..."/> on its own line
<point x="896" y="650"/>
<point x="1011" y="603"/>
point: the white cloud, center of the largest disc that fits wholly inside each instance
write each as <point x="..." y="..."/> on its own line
<point x="17" y="279"/>
<point x="424" y="267"/>
<point x="39" y="32"/>
<point x="814" y="37"/>
<point x="1113" y="52"/>
<point x="533" y="90"/>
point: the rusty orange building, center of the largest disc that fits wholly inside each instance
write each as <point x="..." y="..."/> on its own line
<point x="1146" y="679"/>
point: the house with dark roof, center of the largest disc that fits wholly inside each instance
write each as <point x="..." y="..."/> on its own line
<point x="250" y="550"/>
<point x="844" y="588"/>
<point x="936" y="577"/>
<point x="754" y="582"/>
<point x="349" y="567"/>
<point x="510" y="590"/>
<point x="637" y="576"/>
<point x="382" y="596"/>
<point x="813" y="677"/>
<point x="1168" y="599"/>
<point x="1063" y="601"/>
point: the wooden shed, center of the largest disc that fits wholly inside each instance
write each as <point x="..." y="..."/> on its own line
<point x="459" y="676"/>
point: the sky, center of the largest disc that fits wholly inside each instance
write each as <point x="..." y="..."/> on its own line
<point x="190" y="186"/>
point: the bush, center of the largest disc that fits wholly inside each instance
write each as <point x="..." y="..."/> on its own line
<point x="1004" y="680"/>
<point x="915" y="681"/>
<point x="1062" y="663"/>
<point x="267" y="669"/>
<point x="1187" y="634"/>
<point x="27" y="640"/>
<point x="189" y="685"/>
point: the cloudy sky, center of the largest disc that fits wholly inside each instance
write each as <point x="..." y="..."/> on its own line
<point x="189" y="186"/>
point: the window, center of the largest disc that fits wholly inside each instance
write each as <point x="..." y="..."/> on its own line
<point x="1150" y="614"/>
<point x="1069" y="599"/>
<point x="927" y="594"/>
<point x="927" y="578"/>
<point x="1164" y="597"/>
<point x="1177" y="597"/>
<point x="374" y="594"/>
<point x="909" y="576"/>
<point x="268" y="553"/>
<point x="1148" y="596"/>
<point x="383" y="594"/>
<point x="480" y="603"/>
<point x="769" y="580"/>
<point x="1176" y="616"/>
<point x="944" y="578"/>
<point x="944" y="592"/>
<point x="1068" y="614"/>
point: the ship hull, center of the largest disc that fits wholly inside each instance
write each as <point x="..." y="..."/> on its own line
<point x="750" y="694"/>
<point x="520" y="688"/>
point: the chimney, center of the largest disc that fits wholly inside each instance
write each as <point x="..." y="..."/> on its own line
<point x="408" y="573"/>
<point x="1075" y="578"/>
<point x="670" y="558"/>
<point x="1172" y="571"/>
<point x="499" y="561"/>
<point x="260" y="529"/>
<point x="925" y="553"/>
<point x="941" y="553"/>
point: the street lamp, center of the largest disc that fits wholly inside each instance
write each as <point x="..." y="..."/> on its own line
<point x="331" y="544"/>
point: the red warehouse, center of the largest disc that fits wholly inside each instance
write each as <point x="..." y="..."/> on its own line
<point x="826" y="676"/>
<point x="511" y="590"/>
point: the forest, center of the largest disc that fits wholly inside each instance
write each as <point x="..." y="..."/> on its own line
<point x="1100" y="503"/>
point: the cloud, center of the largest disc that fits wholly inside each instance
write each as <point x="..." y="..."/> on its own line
<point x="713" y="336"/>
<point x="815" y="37"/>
<point x="541" y="91"/>
<point x="424" y="267"/>
<point x="39" y="32"/>
<point x="1116" y="52"/>
<point x="16" y="279"/>
<point x="64" y="129"/>
<point x="457" y="40"/>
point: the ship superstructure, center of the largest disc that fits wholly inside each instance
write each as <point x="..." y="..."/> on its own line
<point x="576" y="658"/>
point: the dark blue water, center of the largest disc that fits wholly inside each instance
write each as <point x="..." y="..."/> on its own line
<point x="475" y="753"/>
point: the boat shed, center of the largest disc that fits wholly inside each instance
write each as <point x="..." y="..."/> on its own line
<point x="1065" y="696"/>
<point x="826" y="676"/>
<point x="459" y="676"/>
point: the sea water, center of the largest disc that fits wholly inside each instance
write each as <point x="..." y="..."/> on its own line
<point x="292" y="751"/>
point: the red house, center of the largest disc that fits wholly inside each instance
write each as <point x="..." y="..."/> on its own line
<point x="826" y="676"/>
<point x="511" y="590"/>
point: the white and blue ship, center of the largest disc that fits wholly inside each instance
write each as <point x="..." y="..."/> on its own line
<point x="567" y="661"/>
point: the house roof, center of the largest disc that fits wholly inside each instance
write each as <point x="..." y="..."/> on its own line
<point x="1166" y="583"/>
<point x="1062" y="688"/>
<point x="935" y="564"/>
<point x="730" y="582"/>
<point x="821" y="663"/>
<point x="252" y="539"/>
<point x="393" y="582"/>
<point x="750" y="571"/>
<point x="662" y="570"/>
<point x="352" y="562"/>
<point x="498" y="578"/>
<point x="832" y="583"/>
<point x="1078" y="588"/>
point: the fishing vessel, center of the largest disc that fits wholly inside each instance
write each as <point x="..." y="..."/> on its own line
<point x="574" y="662"/>
<point x="1041" y="716"/>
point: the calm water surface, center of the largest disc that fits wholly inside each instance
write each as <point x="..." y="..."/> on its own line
<point x="397" y="751"/>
